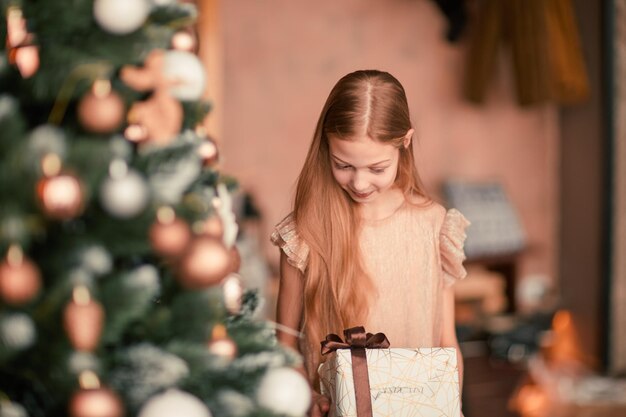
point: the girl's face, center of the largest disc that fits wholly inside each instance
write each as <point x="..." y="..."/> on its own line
<point x="364" y="168"/>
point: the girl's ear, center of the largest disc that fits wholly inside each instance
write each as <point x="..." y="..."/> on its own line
<point x="408" y="137"/>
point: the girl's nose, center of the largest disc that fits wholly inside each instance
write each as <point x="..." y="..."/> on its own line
<point x="359" y="182"/>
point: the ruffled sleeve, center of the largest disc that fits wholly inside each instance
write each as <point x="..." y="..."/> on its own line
<point x="451" y="240"/>
<point x="286" y="237"/>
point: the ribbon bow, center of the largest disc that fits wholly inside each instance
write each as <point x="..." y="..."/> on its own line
<point x="357" y="341"/>
<point x="355" y="338"/>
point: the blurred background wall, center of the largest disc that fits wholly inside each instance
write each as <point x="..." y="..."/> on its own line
<point x="280" y="60"/>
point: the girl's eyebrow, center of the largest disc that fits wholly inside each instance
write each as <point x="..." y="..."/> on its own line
<point x="371" y="165"/>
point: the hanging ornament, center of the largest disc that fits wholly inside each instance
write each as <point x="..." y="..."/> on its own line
<point x="223" y="204"/>
<point x="232" y="290"/>
<point x="93" y="400"/>
<point x="125" y="193"/>
<point x="169" y="235"/>
<point x="185" y="40"/>
<point x="101" y="110"/>
<point x="20" y="44"/>
<point x="174" y="402"/>
<point x="187" y="73"/>
<point x="60" y="195"/>
<point x="20" y="279"/>
<point x="17" y="331"/>
<point x="220" y="344"/>
<point x="121" y="17"/>
<point x="284" y="391"/>
<point x="161" y="116"/>
<point x="205" y="262"/>
<point x="82" y="319"/>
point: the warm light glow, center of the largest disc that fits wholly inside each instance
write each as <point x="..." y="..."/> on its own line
<point x="166" y="215"/>
<point x="80" y="295"/>
<point x="16" y="27"/>
<point x="88" y="380"/>
<point x="207" y="150"/>
<point x="562" y="320"/>
<point x="51" y="165"/>
<point x="15" y="256"/>
<point x="219" y="332"/>
<point x="531" y="401"/>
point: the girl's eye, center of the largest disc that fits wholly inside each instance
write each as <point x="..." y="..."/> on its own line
<point x="338" y="166"/>
<point x="377" y="170"/>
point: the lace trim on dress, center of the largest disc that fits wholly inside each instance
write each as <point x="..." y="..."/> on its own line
<point x="285" y="236"/>
<point x="451" y="240"/>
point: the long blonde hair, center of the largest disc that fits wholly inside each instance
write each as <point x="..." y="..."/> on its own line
<point x="337" y="289"/>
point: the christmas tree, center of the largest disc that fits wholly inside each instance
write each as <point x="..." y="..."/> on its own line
<point x="118" y="286"/>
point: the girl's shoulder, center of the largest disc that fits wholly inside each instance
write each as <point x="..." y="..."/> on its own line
<point x="426" y="208"/>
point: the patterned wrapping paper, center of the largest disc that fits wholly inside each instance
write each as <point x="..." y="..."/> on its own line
<point x="420" y="382"/>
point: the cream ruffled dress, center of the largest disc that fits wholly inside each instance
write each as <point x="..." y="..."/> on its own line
<point x="411" y="256"/>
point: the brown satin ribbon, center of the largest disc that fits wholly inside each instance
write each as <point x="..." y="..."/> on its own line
<point x="357" y="341"/>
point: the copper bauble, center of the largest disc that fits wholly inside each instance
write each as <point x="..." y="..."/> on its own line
<point x="92" y="400"/>
<point x="205" y="263"/>
<point x="101" y="110"/>
<point x="169" y="235"/>
<point x="20" y="279"/>
<point x="82" y="320"/>
<point x="61" y="196"/>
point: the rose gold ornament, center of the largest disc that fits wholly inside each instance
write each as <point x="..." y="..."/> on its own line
<point x="60" y="195"/>
<point x="82" y="320"/>
<point x="205" y="262"/>
<point x="169" y="235"/>
<point x="93" y="400"/>
<point x="220" y="344"/>
<point x="101" y="110"/>
<point x="20" y="279"/>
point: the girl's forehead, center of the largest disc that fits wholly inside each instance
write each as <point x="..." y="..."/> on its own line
<point x="361" y="150"/>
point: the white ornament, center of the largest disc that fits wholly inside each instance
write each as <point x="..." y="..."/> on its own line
<point x="97" y="260"/>
<point x="11" y="409"/>
<point x="17" y="331"/>
<point x="121" y="16"/>
<point x="174" y="402"/>
<point x="125" y="193"/>
<point x="186" y="72"/>
<point x="284" y="391"/>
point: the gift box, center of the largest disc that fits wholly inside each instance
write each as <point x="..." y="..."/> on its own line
<point x="421" y="382"/>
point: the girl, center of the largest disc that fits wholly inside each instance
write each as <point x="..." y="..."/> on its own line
<point x="364" y="245"/>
